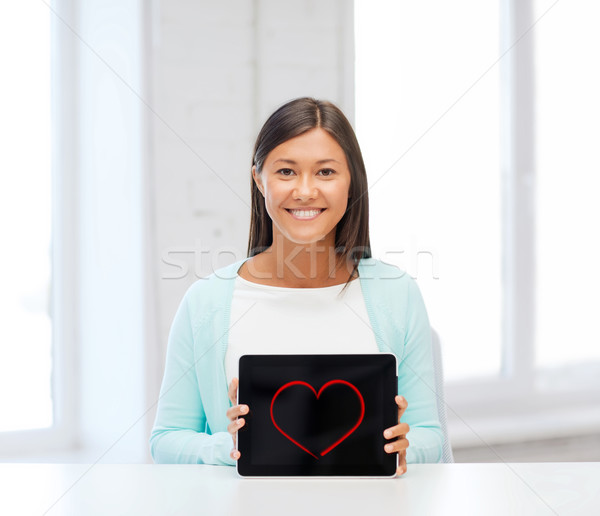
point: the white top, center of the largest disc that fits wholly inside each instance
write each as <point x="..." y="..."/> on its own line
<point x="280" y="320"/>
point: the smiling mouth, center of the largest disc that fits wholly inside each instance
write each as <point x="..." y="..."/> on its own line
<point x="305" y="214"/>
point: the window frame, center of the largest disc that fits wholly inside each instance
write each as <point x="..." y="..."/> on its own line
<point x="513" y="407"/>
<point x="64" y="291"/>
<point x="522" y="402"/>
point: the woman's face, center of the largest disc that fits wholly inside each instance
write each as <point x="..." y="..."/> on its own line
<point x="305" y="182"/>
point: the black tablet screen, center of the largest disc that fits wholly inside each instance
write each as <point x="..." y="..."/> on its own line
<point x="317" y="415"/>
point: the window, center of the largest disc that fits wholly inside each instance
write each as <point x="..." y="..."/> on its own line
<point x="25" y="218"/>
<point x="479" y="125"/>
<point x="568" y="180"/>
<point x="427" y="118"/>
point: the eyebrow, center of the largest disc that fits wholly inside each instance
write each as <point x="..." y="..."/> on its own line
<point x="320" y="162"/>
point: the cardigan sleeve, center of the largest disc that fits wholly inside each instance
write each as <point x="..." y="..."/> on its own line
<point x="180" y="433"/>
<point x="416" y="383"/>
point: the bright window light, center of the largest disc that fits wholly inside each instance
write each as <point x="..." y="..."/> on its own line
<point x="568" y="182"/>
<point x="427" y="118"/>
<point x="25" y="217"/>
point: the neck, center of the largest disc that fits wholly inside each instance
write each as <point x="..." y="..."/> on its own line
<point x="288" y="264"/>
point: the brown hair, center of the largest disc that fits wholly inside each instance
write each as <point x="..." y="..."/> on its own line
<point x="293" y="119"/>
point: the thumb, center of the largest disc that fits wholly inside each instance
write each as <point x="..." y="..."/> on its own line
<point x="233" y="386"/>
<point x="402" y="404"/>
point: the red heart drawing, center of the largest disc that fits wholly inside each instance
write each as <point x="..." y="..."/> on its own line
<point x="318" y="394"/>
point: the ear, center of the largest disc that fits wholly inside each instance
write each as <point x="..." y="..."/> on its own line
<point x="257" y="180"/>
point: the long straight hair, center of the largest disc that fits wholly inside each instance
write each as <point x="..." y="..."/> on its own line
<point x="293" y="119"/>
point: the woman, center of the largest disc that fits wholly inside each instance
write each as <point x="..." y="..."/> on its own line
<point x="308" y="286"/>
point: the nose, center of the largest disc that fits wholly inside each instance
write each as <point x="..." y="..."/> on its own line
<point x="305" y="188"/>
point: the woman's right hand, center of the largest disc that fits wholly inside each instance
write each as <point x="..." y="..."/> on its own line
<point x="233" y="414"/>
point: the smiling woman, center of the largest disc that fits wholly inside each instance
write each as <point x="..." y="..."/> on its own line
<point x="304" y="201"/>
<point x="309" y="286"/>
<point x="317" y="139"/>
<point x="306" y="191"/>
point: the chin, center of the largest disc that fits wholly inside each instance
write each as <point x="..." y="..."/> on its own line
<point x="305" y="239"/>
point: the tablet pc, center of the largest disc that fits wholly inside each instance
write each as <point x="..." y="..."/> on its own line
<point x="317" y="415"/>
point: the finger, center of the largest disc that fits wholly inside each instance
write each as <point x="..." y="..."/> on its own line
<point x="398" y="430"/>
<point x="402" y="404"/>
<point x="235" y="425"/>
<point x="398" y="446"/>
<point x="401" y="469"/>
<point x="233" y="386"/>
<point x="235" y="454"/>
<point x="236" y="411"/>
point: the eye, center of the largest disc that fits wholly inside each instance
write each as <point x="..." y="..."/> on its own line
<point x="326" y="172"/>
<point x="285" y="172"/>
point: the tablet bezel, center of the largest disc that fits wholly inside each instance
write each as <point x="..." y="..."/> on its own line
<point x="386" y="362"/>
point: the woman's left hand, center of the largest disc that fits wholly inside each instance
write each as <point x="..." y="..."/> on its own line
<point x="399" y="431"/>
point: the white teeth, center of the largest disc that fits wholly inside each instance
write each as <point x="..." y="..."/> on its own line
<point x="305" y="213"/>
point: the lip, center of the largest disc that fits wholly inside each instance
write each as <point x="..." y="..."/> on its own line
<point x="305" y="209"/>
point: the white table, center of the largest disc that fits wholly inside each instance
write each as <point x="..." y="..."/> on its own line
<point x="427" y="489"/>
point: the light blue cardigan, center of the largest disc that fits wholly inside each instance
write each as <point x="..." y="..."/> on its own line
<point x="191" y="426"/>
